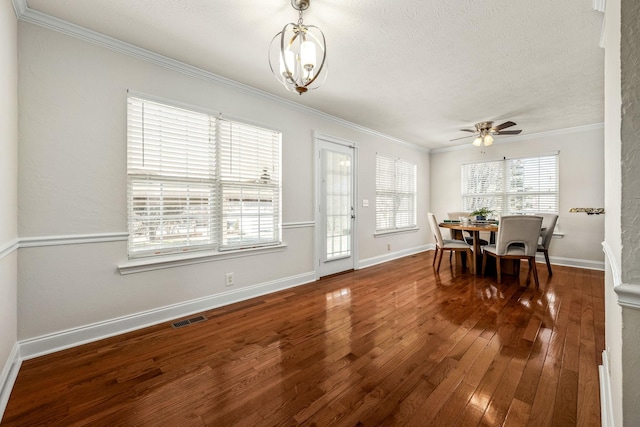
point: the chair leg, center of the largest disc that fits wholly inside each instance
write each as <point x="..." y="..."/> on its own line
<point x="546" y="257"/>
<point x="498" y="272"/>
<point x="435" y="255"/>
<point x="439" y="260"/>
<point x="471" y="261"/>
<point x="532" y="266"/>
<point x="484" y="262"/>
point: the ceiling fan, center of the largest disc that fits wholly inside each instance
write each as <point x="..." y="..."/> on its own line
<point x="486" y="130"/>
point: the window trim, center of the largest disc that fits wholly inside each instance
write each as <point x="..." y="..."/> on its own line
<point x="505" y="194"/>
<point x="215" y="249"/>
<point x="397" y="231"/>
<point x="412" y="227"/>
<point x="139" y="265"/>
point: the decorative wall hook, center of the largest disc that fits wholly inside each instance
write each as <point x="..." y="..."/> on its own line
<point x="588" y="211"/>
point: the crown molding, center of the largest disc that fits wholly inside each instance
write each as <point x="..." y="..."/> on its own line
<point x="24" y="13"/>
<point x="19" y="6"/>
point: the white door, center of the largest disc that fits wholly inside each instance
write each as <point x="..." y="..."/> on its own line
<point x="336" y="206"/>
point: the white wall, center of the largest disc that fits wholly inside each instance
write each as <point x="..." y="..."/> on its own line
<point x="8" y="188"/>
<point x="72" y="171"/>
<point x="581" y="169"/>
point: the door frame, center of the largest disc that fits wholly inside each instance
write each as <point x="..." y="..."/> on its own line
<point x="318" y="246"/>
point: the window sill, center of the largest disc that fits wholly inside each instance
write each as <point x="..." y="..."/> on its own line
<point x="398" y="231"/>
<point x="140" y="265"/>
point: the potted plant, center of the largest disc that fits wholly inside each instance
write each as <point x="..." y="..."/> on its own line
<point x="482" y="213"/>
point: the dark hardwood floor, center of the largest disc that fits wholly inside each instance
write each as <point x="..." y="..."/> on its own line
<point x="393" y="344"/>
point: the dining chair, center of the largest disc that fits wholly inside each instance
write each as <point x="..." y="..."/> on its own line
<point x="469" y="237"/>
<point x="448" y="245"/>
<point x="548" y="225"/>
<point x="517" y="239"/>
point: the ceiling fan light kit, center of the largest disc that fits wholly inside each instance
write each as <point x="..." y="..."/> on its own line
<point x="485" y="130"/>
<point x="298" y="54"/>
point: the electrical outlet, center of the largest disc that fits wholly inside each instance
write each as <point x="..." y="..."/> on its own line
<point x="229" y="280"/>
<point x="389" y="246"/>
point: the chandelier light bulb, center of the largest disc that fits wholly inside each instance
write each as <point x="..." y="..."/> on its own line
<point x="477" y="142"/>
<point x="488" y="140"/>
<point x="308" y="55"/>
<point x="287" y="64"/>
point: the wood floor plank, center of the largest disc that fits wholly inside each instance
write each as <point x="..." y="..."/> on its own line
<point x="518" y="414"/>
<point x="393" y="344"/>
<point x="565" y="408"/>
<point x="588" y="378"/>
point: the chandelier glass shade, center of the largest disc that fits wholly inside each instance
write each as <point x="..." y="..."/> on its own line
<point x="484" y="137"/>
<point x="298" y="53"/>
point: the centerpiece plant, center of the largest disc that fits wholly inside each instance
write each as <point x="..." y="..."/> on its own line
<point x="482" y="213"/>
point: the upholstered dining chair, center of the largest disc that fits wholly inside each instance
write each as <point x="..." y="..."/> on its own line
<point x="548" y="225"/>
<point x="448" y="245"/>
<point x="517" y="239"/>
<point x="469" y="237"/>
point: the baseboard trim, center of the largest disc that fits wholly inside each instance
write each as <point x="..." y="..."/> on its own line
<point x="39" y="346"/>
<point x="572" y="262"/>
<point x="8" y="376"/>
<point x="369" y="262"/>
<point x="606" y="404"/>
<point x="567" y="262"/>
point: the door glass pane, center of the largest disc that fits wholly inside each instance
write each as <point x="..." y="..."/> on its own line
<point x="338" y="204"/>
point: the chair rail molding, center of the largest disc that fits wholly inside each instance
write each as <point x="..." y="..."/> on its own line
<point x="628" y="293"/>
<point x="9" y="247"/>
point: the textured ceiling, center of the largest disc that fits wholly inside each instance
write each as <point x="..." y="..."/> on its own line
<point x="417" y="70"/>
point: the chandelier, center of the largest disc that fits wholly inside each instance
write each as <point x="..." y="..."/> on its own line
<point x="298" y="53"/>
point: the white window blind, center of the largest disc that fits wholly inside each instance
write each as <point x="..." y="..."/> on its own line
<point x="512" y="186"/>
<point x="193" y="184"/>
<point x="483" y="186"/>
<point x="532" y="185"/>
<point x="395" y="194"/>
<point x="249" y="173"/>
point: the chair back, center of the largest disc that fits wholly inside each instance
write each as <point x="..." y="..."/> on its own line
<point x="523" y="229"/>
<point x="549" y="224"/>
<point x="433" y="222"/>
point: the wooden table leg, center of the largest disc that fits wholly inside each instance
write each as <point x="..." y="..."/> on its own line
<point x="477" y="252"/>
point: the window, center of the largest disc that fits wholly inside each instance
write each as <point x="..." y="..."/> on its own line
<point x="395" y="194"/>
<point x="198" y="182"/>
<point x="512" y="186"/>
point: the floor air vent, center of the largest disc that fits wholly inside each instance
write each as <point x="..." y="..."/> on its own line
<point x="187" y="322"/>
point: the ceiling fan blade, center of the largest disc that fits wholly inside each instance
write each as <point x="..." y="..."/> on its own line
<point x="509" y="132"/>
<point x="468" y="130"/>
<point x="504" y="125"/>
<point x="462" y="137"/>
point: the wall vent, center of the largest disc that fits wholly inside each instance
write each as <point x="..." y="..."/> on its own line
<point x="186" y="322"/>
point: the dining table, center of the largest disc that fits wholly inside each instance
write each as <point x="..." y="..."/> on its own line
<point x="475" y="227"/>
